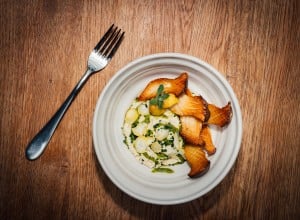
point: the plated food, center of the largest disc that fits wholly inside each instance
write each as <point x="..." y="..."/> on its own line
<point x="167" y="124"/>
<point x="118" y="163"/>
<point x="154" y="140"/>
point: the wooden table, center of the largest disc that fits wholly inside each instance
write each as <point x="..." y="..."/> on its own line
<point x="44" y="49"/>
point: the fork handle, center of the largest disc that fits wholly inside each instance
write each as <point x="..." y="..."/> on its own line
<point x="39" y="143"/>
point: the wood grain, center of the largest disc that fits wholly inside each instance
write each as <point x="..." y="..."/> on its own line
<point x="44" y="47"/>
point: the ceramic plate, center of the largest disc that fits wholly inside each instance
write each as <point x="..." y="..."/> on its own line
<point x="120" y="165"/>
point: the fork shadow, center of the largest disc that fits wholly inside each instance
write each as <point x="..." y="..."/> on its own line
<point x="142" y="210"/>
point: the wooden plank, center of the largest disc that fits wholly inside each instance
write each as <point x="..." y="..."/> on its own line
<point x="44" y="48"/>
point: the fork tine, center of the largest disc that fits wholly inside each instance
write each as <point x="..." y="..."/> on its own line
<point x="103" y="39"/>
<point x="115" y="48"/>
<point x="109" y="41"/>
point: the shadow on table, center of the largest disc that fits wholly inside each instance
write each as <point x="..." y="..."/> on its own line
<point x="144" y="210"/>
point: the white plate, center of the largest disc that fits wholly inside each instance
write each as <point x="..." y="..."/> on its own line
<point x="120" y="165"/>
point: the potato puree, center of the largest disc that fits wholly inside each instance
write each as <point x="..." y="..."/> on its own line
<point x="153" y="140"/>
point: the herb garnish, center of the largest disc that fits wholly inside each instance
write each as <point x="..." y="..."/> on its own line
<point x="162" y="170"/>
<point x="160" y="97"/>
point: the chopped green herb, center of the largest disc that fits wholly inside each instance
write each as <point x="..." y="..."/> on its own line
<point x="162" y="170"/>
<point x="149" y="133"/>
<point x="147" y="119"/>
<point x="162" y="156"/>
<point x="156" y="125"/>
<point x="149" y="157"/>
<point x="134" y="124"/>
<point x="181" y="158"/>
<point x="171" y="127"/>
<point x="132" y="137"/>
<point x="166" y="142"/>
<point x="170" y="142"/>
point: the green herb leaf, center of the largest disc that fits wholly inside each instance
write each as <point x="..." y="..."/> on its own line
<point x="160" y="89"/>
<point x="164" y="96"/>
<point x="160" y="97"/>
<point x="160" y="104"/>
<point x="153" y="101"/>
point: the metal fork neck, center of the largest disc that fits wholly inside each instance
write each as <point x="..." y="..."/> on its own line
<point x="83" y="80"/>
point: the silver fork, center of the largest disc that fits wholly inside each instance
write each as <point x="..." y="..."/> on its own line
<point x="98" y="59"/>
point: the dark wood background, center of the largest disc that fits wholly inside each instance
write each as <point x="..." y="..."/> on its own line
<point x="44" y="49"/>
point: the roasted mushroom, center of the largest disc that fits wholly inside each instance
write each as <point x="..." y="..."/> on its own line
<point x="191" y="129"/>
<point x="219" y="116"/>
<point x="197" y="160"/>
<point x="205" y="135"/>
<point x="175" y="86"/>
<point x="194" y="106"/>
